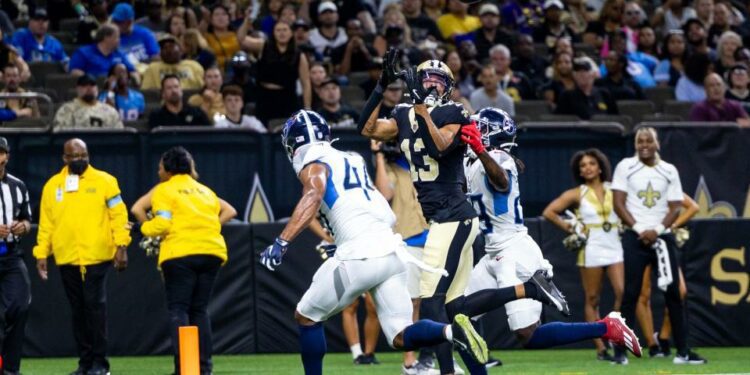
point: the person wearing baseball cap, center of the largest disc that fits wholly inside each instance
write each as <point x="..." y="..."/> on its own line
<point x="328" y="35"/>
<point x="34" y="44"/>
<point x="172" y="62"/>
<point x="552" y="28"/>
<point x="585" y="100"/>
<point x="490" y="33"/>
<point x="136" y="41"/>
<point x="85" y="111"/>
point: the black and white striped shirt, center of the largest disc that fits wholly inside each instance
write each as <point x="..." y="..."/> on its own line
<point x="14" y="204"/>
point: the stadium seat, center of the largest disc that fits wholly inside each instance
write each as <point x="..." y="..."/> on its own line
<point x="624" y="120"/>
<point x="675" y="107"/>
<point x="661" y="117"/>
<point x="61" y="83"/>
<point x="41" y="69"/>
<point x="69" y="24"/>
<point x="558" y="118"/>
<point x="65" y="36"/>
<point x="94" y="131"/>
<point x="587" y="49"/>
<point x="70" y="48"/>
<point x="357" y="105"/>
<point x="532" y="108"/>
<point x="355" y="78"/>
<point x="275" y="125"/>
<point x="636" y="109"/>
<point x="38" y="123"/>
<point x="151" y="95"/>
<point x="659" y="95"/>
<point x="351" y="93"/>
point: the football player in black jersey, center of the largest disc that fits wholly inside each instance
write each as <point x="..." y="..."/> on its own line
<point x="428" y="132"/>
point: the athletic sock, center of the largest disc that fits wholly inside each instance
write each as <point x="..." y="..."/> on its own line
<point x="356" y="350"/>
<point x="424" y="332"/>
<point x="558" y="333"/>
<point x="474" y="367"/>
<point x="312" y="342"/>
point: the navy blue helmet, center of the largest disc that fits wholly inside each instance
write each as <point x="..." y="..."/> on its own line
<point x="304" y="127"/>
<point x="497" y="128"/>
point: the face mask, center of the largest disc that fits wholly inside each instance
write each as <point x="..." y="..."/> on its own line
<point x="78" y="166"/>
<point x="88" y="98"/>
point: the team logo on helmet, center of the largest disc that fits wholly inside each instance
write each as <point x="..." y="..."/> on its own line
<point x="497" y="128"/>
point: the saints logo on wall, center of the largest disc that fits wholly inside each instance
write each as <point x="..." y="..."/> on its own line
<point x="258" y="210"/>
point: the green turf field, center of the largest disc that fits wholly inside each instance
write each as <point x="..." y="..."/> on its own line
<point x="569" y="362"/>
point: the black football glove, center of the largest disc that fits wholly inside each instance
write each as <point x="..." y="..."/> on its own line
<point x="417" y="92"/>
<point x="389" y="74"/>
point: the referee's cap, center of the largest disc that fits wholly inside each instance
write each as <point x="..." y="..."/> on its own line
<point x="4" y="145"/>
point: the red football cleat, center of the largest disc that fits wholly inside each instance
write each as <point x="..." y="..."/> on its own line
<point x="620" y="334"/>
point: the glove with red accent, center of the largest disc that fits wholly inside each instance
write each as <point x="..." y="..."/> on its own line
<point x="471" y="136"/>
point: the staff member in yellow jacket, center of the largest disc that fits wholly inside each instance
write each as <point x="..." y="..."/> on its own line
<point x="84" y="223"/>
<point x="186" y="215"/>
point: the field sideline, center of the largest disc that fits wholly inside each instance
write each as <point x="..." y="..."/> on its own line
<point x="568" y="362"/>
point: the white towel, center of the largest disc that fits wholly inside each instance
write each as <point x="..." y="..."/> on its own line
<point x="664" y="266"/>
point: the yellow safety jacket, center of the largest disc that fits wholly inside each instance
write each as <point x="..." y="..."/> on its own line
<point x="186" y="215"/>
<point x="81" y="223"/>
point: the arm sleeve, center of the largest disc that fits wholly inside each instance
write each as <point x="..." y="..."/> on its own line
<point x="43" y="248"/>
<point x="674" y="190"/>
<point x="162" y="209"/>
<point x="620" y="178"/>
<point x="118" y="214"/>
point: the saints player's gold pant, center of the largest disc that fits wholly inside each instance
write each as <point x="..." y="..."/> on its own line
<point x="448" y="246"/>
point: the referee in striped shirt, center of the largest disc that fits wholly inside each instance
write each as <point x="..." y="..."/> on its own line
<point x="15" y="292"/>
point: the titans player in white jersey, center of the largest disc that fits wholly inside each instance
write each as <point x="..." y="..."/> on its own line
<point x="369" y="256"/>
<point x="512" y="255"/>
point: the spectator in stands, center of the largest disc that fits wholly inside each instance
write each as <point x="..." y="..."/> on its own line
<point x="301" y="30"/>
<point x="490" y="33"/>
<point x="391" y="97"/>
<point x="633" y="21"/>
<point x="490" y="95"/>
<point x="716" y="107"/>
<point x="269" y="13"/>
<point x="328" y="35"/>
<point x="422" y="26"/>
<point x="209" y="98"/>
<point x="585" y="100"/>
<point x="355" y="54"/>
<point x="564" y="45"/>
<point x="672" y="14"/>
<point x="96" y="59"/>
<point x="12" y="83"/>
<point x="34" y="44"/>
<point x="222" y="41"/>
<point x="689" y="87"/>
<point x="647" y="41"/>
<point x="242" y="76"/>
<point x="318" y="74"/>
<point x="6" y="25"/>
<point x="515" y="84"/>
<point x="704" y="11"/>
<point x="522" y="15"/>
<point x="395" y="32"/>
<point x="610" y="20"/>
<point x="526" y="61"/>
<point x="233" y="116"/>
<point x="280" y="65"/>
<point x="175" y="26"/>
<point x="728" y="44"/>
<point x="189" y="71"/>
<point x="154" y="18"/>
<point x="640" y="66"/>
<point x="85" y="111"/>
<point x="562" y="79"/>
<point x="464" y="81"/>
<point x="174" y="112"/>
<point x="196" y="48"/>
<point x="618" y="80"/>
<point x="674" y="55"/>
<point x="337" y="114"/>
<point x="175" y="7"/>
<point x="127" y="101"/>
<point x="722" y="23"/>
<point x="551" y="28"/>
<point x="457" y="22"/>
<point x="347" y="10"/>
<point x="432" y="9"/>
<point x="96" y="16"/>
<point x="737" y="80"/>
<point x="86" y="235"/>
<point x="10" y="56"/>
<point x="695" y="33"/>
<point x="578" y="15"/>
<point x="187" y="216"/>
<point x="136" y="42"/>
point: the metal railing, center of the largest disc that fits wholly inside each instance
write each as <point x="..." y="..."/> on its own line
<point x="47" y="120"/>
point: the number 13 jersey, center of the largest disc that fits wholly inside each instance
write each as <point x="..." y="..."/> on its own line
<point x="500" y="212"/>
<point x="438" y="177"/>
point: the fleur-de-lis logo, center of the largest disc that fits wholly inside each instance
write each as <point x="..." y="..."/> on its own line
<point x="649" y="196"/>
